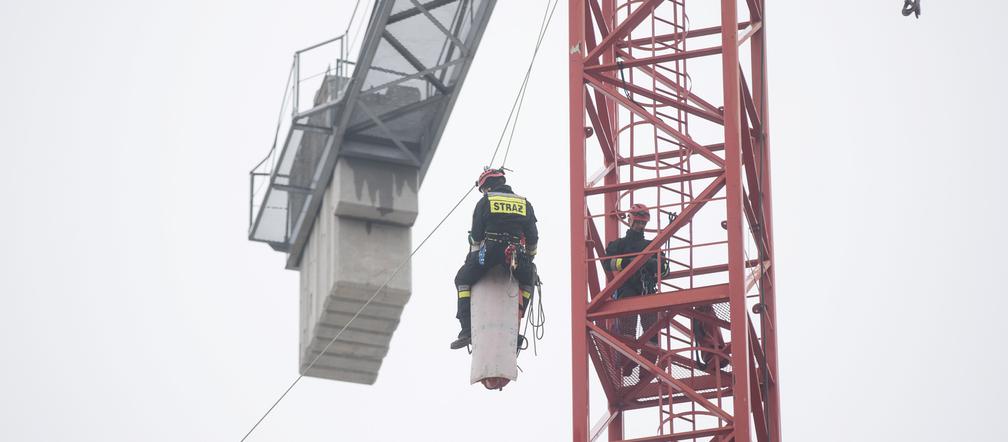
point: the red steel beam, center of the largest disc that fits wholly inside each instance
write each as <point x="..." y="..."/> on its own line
<point x="714" y="117"/>
<point x="634" y="62"/>
<point x="607" y="385"/>
<point x="603" y="28"/>
<point x="607" y="113"/>
<point x="639" y="110"/>
<point x="675" y="36"/>
<point x="720" y="392"/>
<point x="758" y="76"/>
<point x="601" y="134"/>
<point x="661" y="301"/>
<point x="683" y="436"/>
<point x="677" y="153"/>
<point x="703" y="382"/>
<point x="759" y="415"/>
<point x="707" y="174"/>
<point x="705" y="318"/>
<point x="614" y="343"/>
<point x="593" y="247"/>
<point x="579" y="332"/>
<point x="668" y="82"/>
<point x="758" y="353"/>
<point x="704" y="270"/>
<point x="628" y="31"/>
<point x="685" y="217"/>
<point x="624" y="28"/>
<point x="750" y="105"/>
<point x="672" y="356"/>
<point x="755" y="9"/>
<point x="723" y="392"/>
<point x="736" y="248"/>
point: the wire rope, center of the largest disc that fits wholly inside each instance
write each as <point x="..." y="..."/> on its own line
<point x="515" y="111"/>
<point x="519" y="97"/>
<point x="361" y="309"/>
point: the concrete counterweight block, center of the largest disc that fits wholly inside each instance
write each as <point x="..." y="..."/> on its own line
<point x="362" y="235"/>
<point x="495" y="329"/>
<point x="374" y="190"/>
<point x="345" y="263"/>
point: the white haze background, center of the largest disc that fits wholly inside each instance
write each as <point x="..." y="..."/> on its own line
<point x="133" y="307"/>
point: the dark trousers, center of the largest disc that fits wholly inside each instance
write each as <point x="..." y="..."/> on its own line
<point x="708" y="336"/>
<point x="472" y="271"/>
<point x="627" y="325"/>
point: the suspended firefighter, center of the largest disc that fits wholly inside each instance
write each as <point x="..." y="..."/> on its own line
<point x="643" y="282"/>
<point x="503" y="232"/>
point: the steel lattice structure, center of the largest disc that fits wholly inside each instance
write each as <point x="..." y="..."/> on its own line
<point x="651" y="134"/>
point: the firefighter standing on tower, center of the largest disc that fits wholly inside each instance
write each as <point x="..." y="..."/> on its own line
<point x="503" y="232"/>
<point x="643" y="282"/>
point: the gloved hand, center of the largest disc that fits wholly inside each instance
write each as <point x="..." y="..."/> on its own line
<point x="530" y="251"/>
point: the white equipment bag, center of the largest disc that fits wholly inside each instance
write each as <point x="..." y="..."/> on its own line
<point x="495" y="328"/>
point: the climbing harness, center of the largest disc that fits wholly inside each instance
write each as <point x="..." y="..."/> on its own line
<point x="513" y="246"/>
<point x="911" y="7"/>
<point x="510" y="257"/>
<point x="649" y="281"/>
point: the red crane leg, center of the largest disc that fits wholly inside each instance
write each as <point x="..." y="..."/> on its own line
<point x="579" y="296"/>
<point x="701" y="352"/>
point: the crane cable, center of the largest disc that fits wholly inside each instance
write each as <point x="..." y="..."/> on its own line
<point x="361" y="309"/>
<point x="520" y="98"/>
<point x="537" y="321"/>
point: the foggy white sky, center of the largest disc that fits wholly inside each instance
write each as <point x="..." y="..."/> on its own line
<point x="135" y="309"/>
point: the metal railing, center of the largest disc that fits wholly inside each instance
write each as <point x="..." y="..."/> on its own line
<point x="305" y="94"/>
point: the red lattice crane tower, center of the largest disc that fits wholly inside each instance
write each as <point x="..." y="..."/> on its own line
<point x="702" y="365"/>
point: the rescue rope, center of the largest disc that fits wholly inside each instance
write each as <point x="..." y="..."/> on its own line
<point x="515" y="111"/>
<point x="520" y="97"/>
<point x="360" y="25"/>
<point x="538" y="322"/>
<point x="361" y="309"/>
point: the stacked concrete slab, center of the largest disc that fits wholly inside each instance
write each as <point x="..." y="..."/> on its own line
<point x="354" y="172"/>
<point x="362" y="235"/>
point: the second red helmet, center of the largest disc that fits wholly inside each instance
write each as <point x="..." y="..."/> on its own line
<point x="639" y="212"/>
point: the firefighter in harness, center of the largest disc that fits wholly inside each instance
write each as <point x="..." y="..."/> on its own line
<point x="503" y="232"/>
<point x="707" y="334"/>
<point x="644" y="282"/>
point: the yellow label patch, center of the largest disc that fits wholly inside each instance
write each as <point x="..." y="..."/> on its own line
<point x="503" y="204"/>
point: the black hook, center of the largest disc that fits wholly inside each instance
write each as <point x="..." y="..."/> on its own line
<point x="911" y="7"/>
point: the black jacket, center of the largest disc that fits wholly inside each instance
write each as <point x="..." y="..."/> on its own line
<point x="501" y="211"/>
<point x="633" y="242"/>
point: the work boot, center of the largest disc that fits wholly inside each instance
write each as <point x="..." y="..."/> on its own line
<point x="464" y="338"/>
<point x="465" y="322"/>
<point x="627" y="368"/>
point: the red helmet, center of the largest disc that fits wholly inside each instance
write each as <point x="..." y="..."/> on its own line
<point x="639" y="212"/>
<point x="487" y="174"/>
